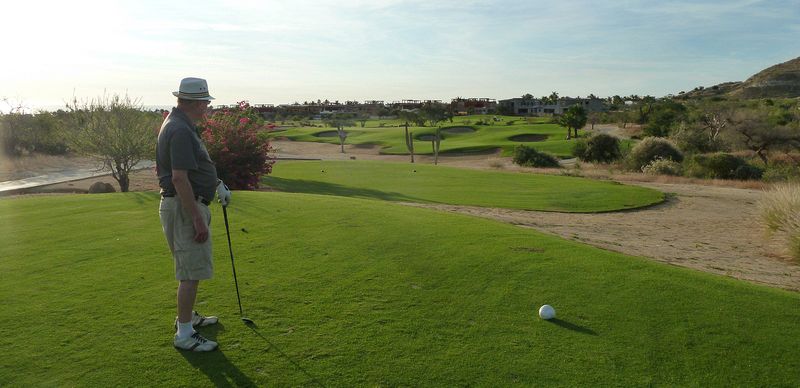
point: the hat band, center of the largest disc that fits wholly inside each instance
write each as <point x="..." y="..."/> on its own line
<point x="201" y="94"/>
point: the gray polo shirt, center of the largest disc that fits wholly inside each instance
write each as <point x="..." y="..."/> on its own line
<point x="180" y="147"/>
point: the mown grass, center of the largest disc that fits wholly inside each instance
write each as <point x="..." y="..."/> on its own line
<point x="352" y="292"/>
<point x="408" y="182"/>
<point x="391" y="137"/>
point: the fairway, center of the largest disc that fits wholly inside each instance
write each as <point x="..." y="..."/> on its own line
<point x="406" y="182"/>
<point x="390" y="135"/>
<point x="354" y="292"/>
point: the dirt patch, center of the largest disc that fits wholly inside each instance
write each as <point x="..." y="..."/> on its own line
<point x="528" y="137"/>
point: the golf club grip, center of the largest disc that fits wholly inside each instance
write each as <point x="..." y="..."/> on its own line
<point x="230" y="249"/>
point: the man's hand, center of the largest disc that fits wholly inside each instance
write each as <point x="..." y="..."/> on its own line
<point x="180" y="178"/>
<point x="223" y="194"/>
<point x="200" y="230"/>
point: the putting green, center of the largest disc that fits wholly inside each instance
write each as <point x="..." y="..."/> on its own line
<point x="457" y="186"/>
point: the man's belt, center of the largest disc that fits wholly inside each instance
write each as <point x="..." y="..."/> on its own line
<point x="196" y="197"/>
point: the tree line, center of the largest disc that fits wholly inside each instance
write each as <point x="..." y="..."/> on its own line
<point x="119" y="133"/>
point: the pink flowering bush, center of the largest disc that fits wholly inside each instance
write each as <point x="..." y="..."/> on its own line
<point x="231" y="138"/>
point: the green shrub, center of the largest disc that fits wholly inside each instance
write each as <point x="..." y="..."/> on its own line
<point x="781" y="173"/>
<point x="579" y="148"/>
<point x="651" y="148"/>
<point x="529" y="157"/>
<point x="22" y="133"/>
<point x="694" y="139"/>
<point x="242" y="158"/>
<point x="748" y="172"/>
<point x="663" y="117"/>
<point x="602" y="148"/>
<point x="661" y="166"/>
<point x="721" y="166"/>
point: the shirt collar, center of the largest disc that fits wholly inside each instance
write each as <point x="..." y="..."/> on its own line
<point x="181" y="115"/>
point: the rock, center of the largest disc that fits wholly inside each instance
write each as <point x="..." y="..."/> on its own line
<point x="101" y="187"/>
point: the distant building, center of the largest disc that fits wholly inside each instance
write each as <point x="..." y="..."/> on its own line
<point x="409" y="104"/>
<point x="464" y="106"/>
<point x="537" y="107"/>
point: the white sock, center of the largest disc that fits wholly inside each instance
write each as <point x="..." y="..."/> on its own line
<point x="185" y="329"/>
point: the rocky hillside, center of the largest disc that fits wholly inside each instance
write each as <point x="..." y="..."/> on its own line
<point x="779" y="81"/>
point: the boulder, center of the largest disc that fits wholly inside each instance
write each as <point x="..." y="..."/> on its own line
<point x="101" y="187"/>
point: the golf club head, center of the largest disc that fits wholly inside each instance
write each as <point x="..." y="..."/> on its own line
<point x="248" y="321"/>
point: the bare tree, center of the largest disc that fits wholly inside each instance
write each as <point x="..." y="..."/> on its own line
<point x="715" y="121"/>
<point x="342" y="136"/>
<point x="114" y="131"/>
<point x="754" y="130"/>
<point x="339" y="121"/>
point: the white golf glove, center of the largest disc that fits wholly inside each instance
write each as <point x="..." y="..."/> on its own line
<point x="223" y="194"/>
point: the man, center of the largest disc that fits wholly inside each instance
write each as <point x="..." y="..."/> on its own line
<point x="188" y="181"/>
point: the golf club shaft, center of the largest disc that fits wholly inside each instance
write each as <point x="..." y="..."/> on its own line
<point x="230" y="249"/>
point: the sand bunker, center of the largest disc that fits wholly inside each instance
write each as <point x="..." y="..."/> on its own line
<point x="528" y="137"/>
<point x="424" y="137"/>
<point x="458" y="130"/>
<point x="327" y="134"/>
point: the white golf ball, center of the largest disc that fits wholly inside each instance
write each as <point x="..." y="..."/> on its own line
<point x="547" y="312"/>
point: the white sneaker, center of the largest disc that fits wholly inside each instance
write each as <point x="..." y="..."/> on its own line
<point x="199" y="320"/>
<point x="195" y="343"/>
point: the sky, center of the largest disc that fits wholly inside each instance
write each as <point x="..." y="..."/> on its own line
<point x="277" y="52"/>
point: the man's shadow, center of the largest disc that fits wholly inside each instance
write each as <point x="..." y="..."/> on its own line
<point x="572" y="326"/>
<point x="254" y="328"/>
<point x="220" y="371"/>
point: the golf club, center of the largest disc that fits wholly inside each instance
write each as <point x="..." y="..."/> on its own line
<point x="238" y="298"/>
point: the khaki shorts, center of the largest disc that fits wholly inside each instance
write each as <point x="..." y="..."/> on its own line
<point x="192" y="259"/>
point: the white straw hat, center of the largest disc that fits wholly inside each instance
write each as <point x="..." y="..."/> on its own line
<point x="193" y="89"/>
